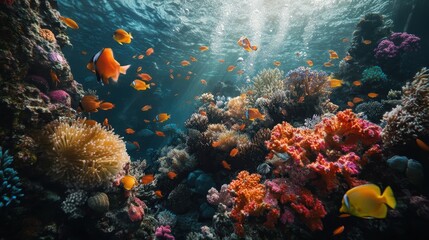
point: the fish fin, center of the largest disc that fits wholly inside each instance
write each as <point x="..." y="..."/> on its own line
<point x="123" y="69"/>
<point x="389" y="197"/>
<point x="148" y="86"/>
<point x="119" y="42"/>
<point x="131" y="35"/>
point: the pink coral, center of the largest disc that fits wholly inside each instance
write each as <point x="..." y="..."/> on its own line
<point x="136" y="209"/>
<point x="164" y="232"/>
<point x="216" y="197"/>
<point x="60" y="96"/>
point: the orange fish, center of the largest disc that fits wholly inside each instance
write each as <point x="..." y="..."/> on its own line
<point x="89" y="103"/>
<point x="90" y="122"/>
<point x="204" y="48"/>
<point x="106" y="123"/>
<point x="350" y="104"/>
<point x="357" y="83"/>
<point x="193" y="59"/>
<point x="230" y="68"/>
<point x="121" y="36"/>
<point x="106" y="105"/>
<point x="333" y="54"/>
<point x="146" y="108"/>
<point x="245" y="43"/>
<point x="328" y="64"/>
<point x="233" y="152"/>
<point x="345" y="40"/>
<point x="277" y="63"/>
<point x="366" y="41"/>
<point x="338" y="230"/>
<point x="185" y="63"/>
<point x="54" y="77"/>
<point x="158" y="193"/>
<point x="372" y="95"/>
<point x="162" y="117"/>
<point x="242" y="126"/>
<point x="253" y="113"/>
<point x="146" y="121"/>
<point x="226" y="165"/>
<point x="139" y="85"/>
<point x="334" y="83"/>
<point x="104" y="65"/>
<point x="357" y="100"/>
<point x="310" y="63"/>
<point x="422" y="145"/>
<point x="221" y="60"/>
<point x="129" y="182"/>
<point x="145" y="77"/>
<point x="204" y="82"/>
<point x="149" y="51"/>
<point x="159" y="134"/>
<point x="139" y="69"/>
<point x="240" y="72"/>
<point x="129" y="131"/>
<point x="215" y="144"/>
<point x="148" y="178"/>
<point x="141" y="56"/>
<point x="202" y="112"/>
<point x="347" y="58"/>
<point x="69" y="22"/>
<point x="171" y="175"/>
<point x="137" y="145"/>
<point x="344" y="215"/>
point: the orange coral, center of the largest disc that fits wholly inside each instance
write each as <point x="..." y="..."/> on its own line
<point x="47" y="34"/>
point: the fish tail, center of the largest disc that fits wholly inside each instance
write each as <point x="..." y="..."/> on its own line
<point x="389" y="197"/>
<point x="123" y="69"/>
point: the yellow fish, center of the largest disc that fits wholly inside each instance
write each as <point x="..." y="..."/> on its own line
<point x="129" y="182"/>
<point x="162" y="117"/>
<point x="139" y="85"/>
<point x="121" y="36"/>
<point x="366" y="201"/>
<point x="335" y="82"/>
<point x="69" y="22"/>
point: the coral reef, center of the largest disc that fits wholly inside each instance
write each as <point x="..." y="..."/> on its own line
<point x="177" y="160"/>
<point x="373" y="110"/>
<point x="373" y="75"/>
<point x="265" y="84"/>
<point x="166" y="217"/>
<point x="73" y="204"/>
<point x="198" y="122"/>
<point x="99" y="202"/>
<point x="164" y="233"/>
<point x="396" y="44"/>
<point x="81" y="155"/>
<point x="10" y="184"/>
<point x="216" y="197"/>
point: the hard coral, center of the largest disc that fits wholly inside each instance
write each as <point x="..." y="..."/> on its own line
<point x="48" y="35"/>
<point x="10" y="185"/>
<point x="397" y="43"/>
<point x="81" y="155"/>
<point x="265" y="84"/>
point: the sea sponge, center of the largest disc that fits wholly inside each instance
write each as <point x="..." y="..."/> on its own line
<point x="48" y="35"/>
<point x="237" y="107"/>
<point x="82" y="156"/>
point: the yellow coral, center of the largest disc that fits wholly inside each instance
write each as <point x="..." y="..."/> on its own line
<point x="237" y="106"/>
<point x="81" y="155"/>
<point x="47" y="34"/>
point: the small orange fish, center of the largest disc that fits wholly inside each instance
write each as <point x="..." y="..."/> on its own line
<point x="277" y="63"/>
<point x="145" y="77"/>
<point x="146" y="121"/>
<point x="158" y="193"/>
<point x="372" y="95"/>
<point x="149" y="51"/>
<point x="242" y="126"/>
<point x="107" y="106"/>
<point x="357" y="100"/>
<point x="185" y="63"/>
<point x="333" y="54"/>
<point x="328" y="64"/>
<point x="83" y="52"/>
<point x="129" y="131"/>
<point x="310" y="63"/>
<point x="160" y="134"/>
<point x="253" y="113"/>
<point x="129" y="182"/>
<point x="193" y="59"/>
<point x="366" y="42"/>
<point x="139" y="85"/>
<point x="230" y="68"/>
<point x="204" y="48"/>
<point x="240" y="72"/>
<point x="350" y="104"/>
<point x="69" y="22"/>
<point x="148" y="178"/>
<point x="245" y="44"/>
<point x="422" y="145"/>
<point x="357" y="83"/>
<point x="301" y="99"/>
<point x="334" y="83"/>
<point x="137" y="145"/>
<point x="121" y="36"/>
<point x="90" y="122"/>
<point x="141" y="56"/>
<point x="202" y="112"/>
<point x="171" y="175"/>
<point x="146" y="108"/>
<point x="226" y="165"/>
<point x="344" y="215"/>
<point x="139" y="69"/>
<point x="347" y="58"/>
<point x="233" y="152"/>
<point x="221" y="60"/>
<point x="215" y="144"/>
<point x="162" y="117"/>
<point x="54" y="77"/>
<point x="204" y="82"/>
<point x="345" y="40"/>
<point x="338" y="230"/>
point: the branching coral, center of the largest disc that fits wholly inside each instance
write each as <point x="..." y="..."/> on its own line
<point x="304" y="82"/>
<point x="198" y="122"/>
<point x="373" y="75"/>
<point x="81" y="155"/>
<point x="265" y="84"/>
<point x="10" y="184"/>
<point x="176" y="160"/>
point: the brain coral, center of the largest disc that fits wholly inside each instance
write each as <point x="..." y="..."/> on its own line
<point x="83" y="156"/>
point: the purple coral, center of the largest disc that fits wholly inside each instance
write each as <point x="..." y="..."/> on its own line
<point x="164" y="232"/>
<point x="397" y="44"/>
<point x="60" y="96"/>
<point x="56" y="57"/>
<point x="223" y="196"/>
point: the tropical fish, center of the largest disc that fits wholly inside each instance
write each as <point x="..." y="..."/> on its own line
<point x="372" y="95"/>
<point x="121" y="36"/>
<point x="105" y="66"/>
<point x="204" y="82"/>
<point x="148" y="178"/>
<point x="202" y="112"/>
<point x="277" y="63"/>
<point x="106" y="105"/>
<point x="129" y="182"/>
<point x="357" y="100"/>
<point x="137" y="145"/>
<point x="328" y="64"/>
<point x="226" y="165"/>
<point x="245" y="43"/>
<point x="193" y="59"/>
<point x="366" y="201"/>
<point x="338" y="230"/>
<point x="345" y="40"/>
<point x="158" y="193"/>
<point x="160" y="134"/>
<point x="139" y="85"/>
<point x="185" y="63"/>
<point x="54" y="77"/>
<point x="90" y="122"/>
<point x="146" y="108"/>
<point x="366" y="41"/>
<point x="106" y="123"/>
<point x="334" y="83"/>
<point x="230" y="68"/>
<point x="221" y="60"/>
<point x="242" y="127"/>
<point x="141" y="56"/>
<point x="89" y="103"/>
<point x="422" y="145"/>
<point x="204" y="48"/>
<point x="139" y="69"/>
<point x="129" y="131"/>
<point x="333" y="54"/>
<point x="310" y="63"/>
<point x="216" y="144"/>
<point x="350" y="104"/>
<point x="233" y="152"/>
<point x="347" y="58"/>
<point x="149" y="51"/>
<point x="253" y="113"/>
<point x="69" y="22"/>
<point x="146" y="121"/>
<point x="240" y="72"/>
<point x="357" y="83"/>
<point x="145" y="77"/>
<point x="171" y="175"/>
<point x="162" y="117"/>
